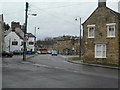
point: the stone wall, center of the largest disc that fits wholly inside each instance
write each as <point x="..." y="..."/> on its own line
<point x="100" y="18"/>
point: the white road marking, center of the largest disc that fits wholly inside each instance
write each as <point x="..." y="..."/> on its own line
<point x="40" y="65"/>
<point x="24" y="62"/>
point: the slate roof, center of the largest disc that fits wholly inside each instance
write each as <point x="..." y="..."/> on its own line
<point x="19" y="32"/>
<point x="30" y="35"/>
<point x="112" y="11"/>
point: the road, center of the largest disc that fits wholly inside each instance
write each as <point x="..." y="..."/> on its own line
<point x="46" y="71"/>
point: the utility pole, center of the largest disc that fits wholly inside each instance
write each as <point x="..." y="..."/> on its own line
<point x="25" y="31"/>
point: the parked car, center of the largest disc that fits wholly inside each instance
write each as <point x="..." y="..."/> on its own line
<point x="54" y="53"/>
<point x="38" y="52"/>
<point x="7" y="54"/>
<point x="17" y="52"/>
<point x="49" y="52"/>
<point x="29" y="52"/>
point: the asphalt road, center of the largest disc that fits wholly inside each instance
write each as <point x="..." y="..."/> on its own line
<point x="46" y="71"/>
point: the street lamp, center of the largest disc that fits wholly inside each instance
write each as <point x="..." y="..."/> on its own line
<point x="80" y="52"/>
<point x="32" y="14"/>
<point x="25" y="30"/>
<point x="35" y="38"/>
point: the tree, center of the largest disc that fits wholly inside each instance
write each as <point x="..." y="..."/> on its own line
<point x="6" y="26"/>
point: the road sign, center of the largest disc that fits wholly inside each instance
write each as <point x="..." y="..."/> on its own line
<point x="25" y="39"/>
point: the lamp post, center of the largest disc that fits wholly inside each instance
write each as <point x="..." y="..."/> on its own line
<point x="25" y="30"/>
<point x="35" y="38"/>
<point x="80" y="52"/>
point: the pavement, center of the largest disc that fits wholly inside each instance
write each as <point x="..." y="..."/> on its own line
<point x="18" y="60"/>
<point x="89" y="64"/>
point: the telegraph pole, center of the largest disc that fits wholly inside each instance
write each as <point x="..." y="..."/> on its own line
<point x="25" y="31"/>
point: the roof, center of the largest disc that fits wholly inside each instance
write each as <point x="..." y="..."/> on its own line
<point x="18" y="31"/>
<point x="30" y="35"/>
<point x="19" y="36"/>
<point x="112" y="11"/>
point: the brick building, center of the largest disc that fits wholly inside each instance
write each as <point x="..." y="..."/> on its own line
<point x="102" y="36"/>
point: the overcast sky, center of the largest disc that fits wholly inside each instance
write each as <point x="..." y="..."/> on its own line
<point x="54" y="17"/>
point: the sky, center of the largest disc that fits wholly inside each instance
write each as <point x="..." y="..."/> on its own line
<point x="54" y="17"/>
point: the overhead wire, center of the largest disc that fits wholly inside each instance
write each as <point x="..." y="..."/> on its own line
<point x="62" y="6"/>
<point x="53" y="15"/>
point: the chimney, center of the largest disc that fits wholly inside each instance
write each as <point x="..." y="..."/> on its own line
<point x="15" y="25"/>
<point x="101" y="3"/>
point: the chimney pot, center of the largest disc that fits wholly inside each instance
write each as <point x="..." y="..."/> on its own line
<point x="101" y="3"/>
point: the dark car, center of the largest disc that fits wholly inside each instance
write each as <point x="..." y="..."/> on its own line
<point x="7" y="54"/>
<point x="17" y="52"/>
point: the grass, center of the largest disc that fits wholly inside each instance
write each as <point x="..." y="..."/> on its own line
<point x="76" y="58"/>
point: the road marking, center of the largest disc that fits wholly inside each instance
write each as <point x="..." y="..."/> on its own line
<point x="40" y="65"/>
<point x="76" y="71"/>
<point x="24" y="62"/>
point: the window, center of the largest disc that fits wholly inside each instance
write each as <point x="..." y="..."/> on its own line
<point x="14" y="43"/>
<point x="100" y="51"/>
<point x="111" y="30"/>
<point x="91" y="29"/>
<point x="22" y="43"/>
<point x="31" y="43"/>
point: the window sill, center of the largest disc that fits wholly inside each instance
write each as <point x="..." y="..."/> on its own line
<point x="101" y="57"/>
<point x="110" y="36"/>
<point x="90" y="37"/>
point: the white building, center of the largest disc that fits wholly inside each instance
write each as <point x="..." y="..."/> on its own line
<point x="14" y="40"/>
<point x="31" y="42"/>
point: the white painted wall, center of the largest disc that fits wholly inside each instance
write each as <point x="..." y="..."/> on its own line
<point x="29" y="47"/>
<point x="12" y="36"/>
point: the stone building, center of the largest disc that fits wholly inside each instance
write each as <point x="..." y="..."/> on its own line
<point x="102" y="36"/>
<point x="1" y="33"/>
<point x="67" y="45"/>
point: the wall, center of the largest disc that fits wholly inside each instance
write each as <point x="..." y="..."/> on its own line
<point x="100" y="18"/>
<point x="29" y="47"/>
<point x="12" y="36"/>
<point x="0" y="37"/>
